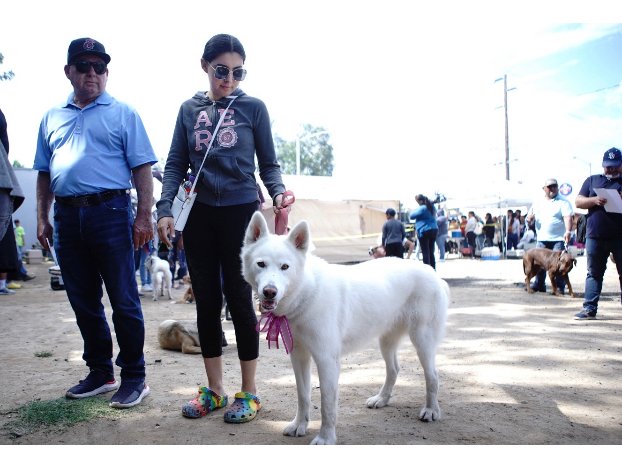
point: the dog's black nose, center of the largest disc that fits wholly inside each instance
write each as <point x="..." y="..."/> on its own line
<point x="269" y="292"/>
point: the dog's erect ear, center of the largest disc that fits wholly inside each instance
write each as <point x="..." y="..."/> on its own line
<point x="257" y="228"/>
<point x="300" y="236"/>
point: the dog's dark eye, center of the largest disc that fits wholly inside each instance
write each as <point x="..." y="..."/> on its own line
<point x="261" y="264"/>
<point x="284" y="267"/>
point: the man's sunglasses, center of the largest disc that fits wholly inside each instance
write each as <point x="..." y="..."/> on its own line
<point x="222" y="72"/>
<point x="84" y="66"/>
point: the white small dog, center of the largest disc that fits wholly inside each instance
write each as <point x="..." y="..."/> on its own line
<point x="161" y="276"/>
<point x="335" y="309"/>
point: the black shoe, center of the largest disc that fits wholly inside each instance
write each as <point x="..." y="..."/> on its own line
<point x="27" y="277"/>
<point x="538" y="289"/>
<point x="130" y="393"/>
<point x="95" y="383"/>
<point x="585" y="314"/>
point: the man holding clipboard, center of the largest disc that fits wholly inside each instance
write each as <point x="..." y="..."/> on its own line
<point x="601" y="195"/>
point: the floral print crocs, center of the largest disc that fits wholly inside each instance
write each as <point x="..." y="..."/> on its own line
<point x="204" y="403"/>
<point x="243" y="409"/>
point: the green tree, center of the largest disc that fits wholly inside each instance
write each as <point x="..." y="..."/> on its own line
<point x="5" y="75"/>
<point x="316" y="153"/>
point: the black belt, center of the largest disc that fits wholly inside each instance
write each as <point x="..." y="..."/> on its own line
<point x="91" y="199"/>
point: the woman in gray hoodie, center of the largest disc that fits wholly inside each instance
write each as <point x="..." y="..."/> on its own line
<point x="227" y="197"/>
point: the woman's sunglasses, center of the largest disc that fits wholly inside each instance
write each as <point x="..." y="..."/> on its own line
<point x="222" y="72"/>
<point x="84" y="66"/>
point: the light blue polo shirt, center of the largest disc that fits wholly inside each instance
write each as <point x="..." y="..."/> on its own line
<point x="550" y="214"/>
<point x="92" y="149"/>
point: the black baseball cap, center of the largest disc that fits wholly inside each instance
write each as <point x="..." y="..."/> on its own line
<point x="86" y="45"/>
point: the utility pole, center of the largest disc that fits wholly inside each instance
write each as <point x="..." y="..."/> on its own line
<point x="301" y="138"/>
<point x="507" y="137"/>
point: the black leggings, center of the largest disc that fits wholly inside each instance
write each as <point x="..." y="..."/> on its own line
<point x="427" y="240"/>
<point x="213" y="239"/>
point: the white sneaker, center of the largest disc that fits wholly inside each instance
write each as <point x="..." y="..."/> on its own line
<point x="6" y="291"/>
<point x="147" y="287"/>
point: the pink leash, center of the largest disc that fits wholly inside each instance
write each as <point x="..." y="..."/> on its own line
<point x="276" y="325"/>
<point x="281" y="218"/>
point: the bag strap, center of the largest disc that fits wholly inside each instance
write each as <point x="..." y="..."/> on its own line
<point x="209" y="146"/>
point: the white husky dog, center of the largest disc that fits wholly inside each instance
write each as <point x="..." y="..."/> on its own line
<point x="334" y="309"/>
<point x="161" y="276"/>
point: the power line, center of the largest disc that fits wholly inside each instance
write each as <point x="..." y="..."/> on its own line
<point x="600" y="89"/>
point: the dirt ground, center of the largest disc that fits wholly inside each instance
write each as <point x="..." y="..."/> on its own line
<point x="515" y="369"/>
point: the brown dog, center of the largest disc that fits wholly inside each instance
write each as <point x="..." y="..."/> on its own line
<point x="188" y="296"/>
<point x="179" y="336"/>
<point x="554" y="262"/>
<point x="182" y="336"/>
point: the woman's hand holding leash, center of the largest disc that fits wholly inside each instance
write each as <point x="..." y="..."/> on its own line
<point x="282" y="207"/>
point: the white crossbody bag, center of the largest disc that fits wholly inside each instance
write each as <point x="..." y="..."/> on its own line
<point x="182" y="203"/>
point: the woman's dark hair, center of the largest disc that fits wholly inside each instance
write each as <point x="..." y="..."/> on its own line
<point x="426" y="201"/>
<point x="222" y="43"/>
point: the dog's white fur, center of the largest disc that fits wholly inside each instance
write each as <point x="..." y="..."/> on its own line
<point x="334" y="309"/>
<point x="161" y="277"/>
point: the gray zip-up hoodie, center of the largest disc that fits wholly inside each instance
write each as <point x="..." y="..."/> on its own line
<point x="228" y="176"/>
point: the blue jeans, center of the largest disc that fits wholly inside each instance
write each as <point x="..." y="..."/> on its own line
<point x="513" y="241"/>
<point x="540" y="283"/>
<point x="598" y="251"/>
<point x="94" y="244"/>
<point x="441" y="240"/>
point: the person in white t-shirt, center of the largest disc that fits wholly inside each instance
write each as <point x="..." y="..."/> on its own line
<point x="553" y="223"/>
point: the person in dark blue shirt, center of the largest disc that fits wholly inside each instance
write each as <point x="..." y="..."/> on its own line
<point x="604" y="230"/>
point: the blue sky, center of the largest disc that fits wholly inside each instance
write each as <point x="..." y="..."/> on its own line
<point x="406" y="89"/>
<point x="565" y="110"/>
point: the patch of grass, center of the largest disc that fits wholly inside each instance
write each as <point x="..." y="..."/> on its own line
<point x="43" y="354"/>
<point x="59" y="413"/>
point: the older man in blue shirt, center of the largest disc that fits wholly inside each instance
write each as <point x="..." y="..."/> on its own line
<point x="88" y="149"/>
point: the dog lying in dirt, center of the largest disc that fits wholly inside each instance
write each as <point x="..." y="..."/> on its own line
<point x="181" y="336"/>
<point x="556" y="263"/>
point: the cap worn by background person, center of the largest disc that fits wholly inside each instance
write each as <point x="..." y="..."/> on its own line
<point x="612" y="158"/>
<point x="550" y="182"/>
<point x="86" y="45"/>
<point x="390" y="212"/>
